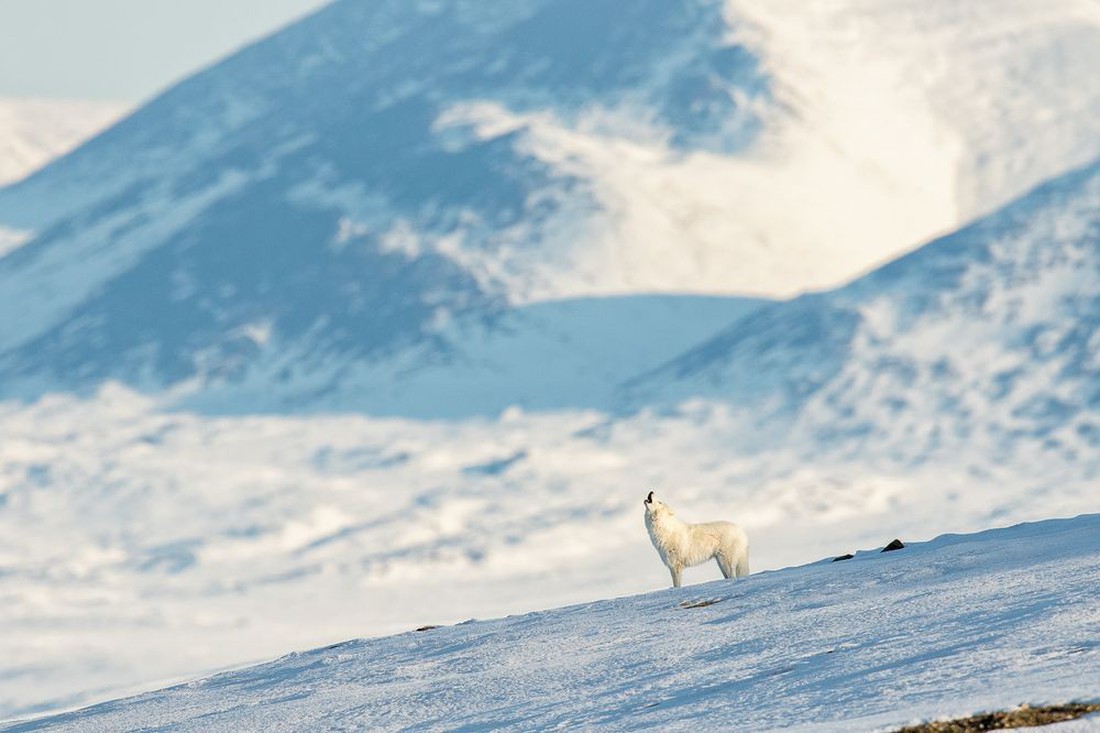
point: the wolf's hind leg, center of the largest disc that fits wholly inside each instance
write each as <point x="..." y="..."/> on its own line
<point x="724" y="565"/>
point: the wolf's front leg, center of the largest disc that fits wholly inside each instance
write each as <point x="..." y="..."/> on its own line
<point x="675" y="570"/>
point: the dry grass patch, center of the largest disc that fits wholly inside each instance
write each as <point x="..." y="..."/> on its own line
<point x="1022" y="717"/>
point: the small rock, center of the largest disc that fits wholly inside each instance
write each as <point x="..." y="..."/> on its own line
<point x="896" y="544"/>
<point x="427" y="628"/>
<point x="847" y="556"/>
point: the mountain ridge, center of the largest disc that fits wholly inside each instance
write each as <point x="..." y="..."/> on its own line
<point x="305" y="189"/>
<point x="1019" y="280"/>
<point x="486" y="160"/>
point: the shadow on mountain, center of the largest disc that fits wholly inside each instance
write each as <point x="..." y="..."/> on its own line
<point x="568" y="354"/>
<point x="312" y="223"/>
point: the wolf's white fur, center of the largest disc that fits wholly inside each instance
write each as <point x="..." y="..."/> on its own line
<point x="684" y="545"/>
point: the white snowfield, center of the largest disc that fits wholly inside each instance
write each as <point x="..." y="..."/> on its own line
<point x="958" y="625"/>
<point x="34" y="131"/>
<point x="141" y="547"/>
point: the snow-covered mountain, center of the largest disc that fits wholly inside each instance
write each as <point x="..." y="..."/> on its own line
<point x="355" y="183"/>
<point x="948" y="628"/>
<point x="976" y="343"/>
<point x="324" y="191"/>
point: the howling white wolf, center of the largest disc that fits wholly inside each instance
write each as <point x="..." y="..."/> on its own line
<point x="683" y="545"/>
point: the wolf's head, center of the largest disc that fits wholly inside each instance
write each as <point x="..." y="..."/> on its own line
<point x="653" y="505"/>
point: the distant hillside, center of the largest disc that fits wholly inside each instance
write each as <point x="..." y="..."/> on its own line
<point x="974" y="344"/>
<point x="348" y="188"/>
<point x="326" y="192"/>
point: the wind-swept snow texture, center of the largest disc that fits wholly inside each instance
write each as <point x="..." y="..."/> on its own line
<point x="961" y="624"/>
<point x="353" y="184"/>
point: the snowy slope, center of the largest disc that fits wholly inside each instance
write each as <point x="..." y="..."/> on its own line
<point x="960" y="624"/>
<point x="139" y="545"/>
<point x="984" y="100"/>
<point x="397" y="207"/>
<point x="971" y="347"/>
<point x="415" y="163"/>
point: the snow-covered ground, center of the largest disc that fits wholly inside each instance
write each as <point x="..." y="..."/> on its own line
<point x="949" y="627"/>
<point x="139" y="545"/>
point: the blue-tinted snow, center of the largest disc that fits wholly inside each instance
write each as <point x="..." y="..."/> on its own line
<point x="950" y="627"/>
<point x="975" y="341"/>
<point x="150" y="269"/>
<point x="569" y="354"/>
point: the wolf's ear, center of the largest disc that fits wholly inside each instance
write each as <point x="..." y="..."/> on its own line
<point x="649" y="499"/>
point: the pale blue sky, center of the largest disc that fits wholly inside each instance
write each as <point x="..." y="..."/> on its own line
<point x="124" y="50"/>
